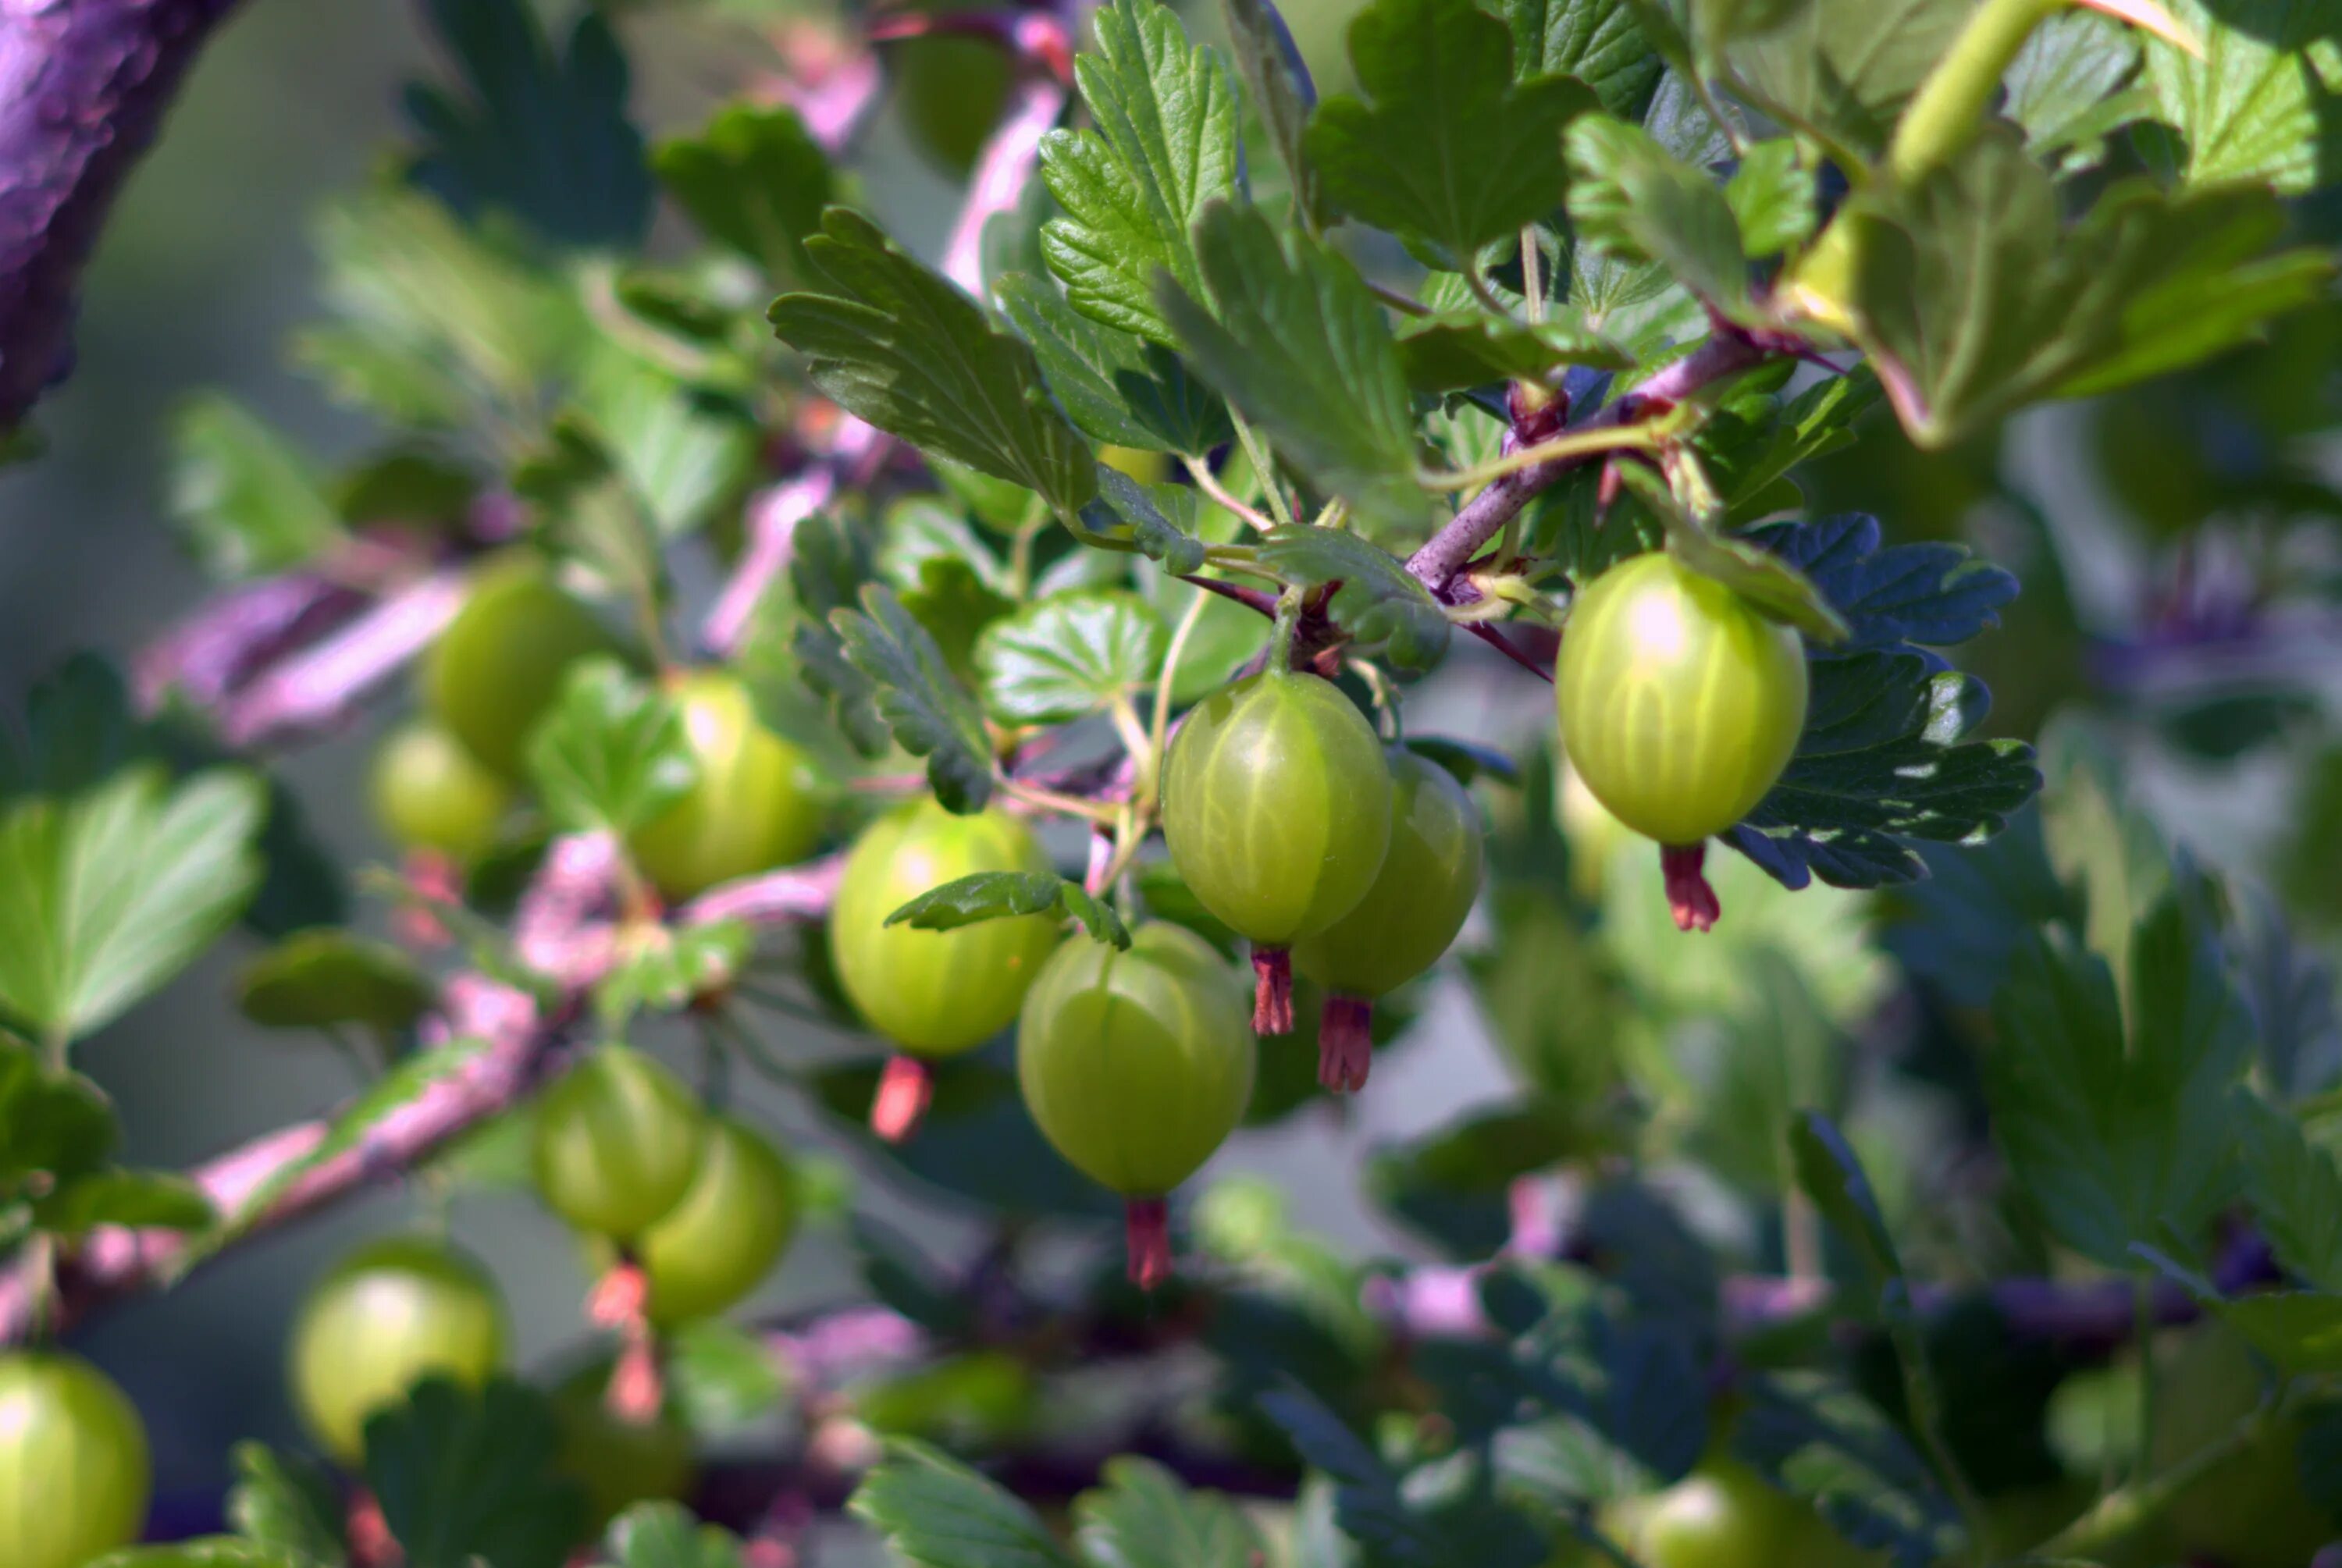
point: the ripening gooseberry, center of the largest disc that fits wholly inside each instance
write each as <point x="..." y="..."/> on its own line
<point x="754" y="806"/>
<point x="386" y="1317"/>
<point x="729" y="1228"/>
<point x="1408" y="917"/>
<point x="617" y="1143"/>
<point x="501" y="660"/>
<point x="1135" y="1065"/>
<point x="75" y="1475"/>
<point x="1276" y="806"/>
<point x="1680" y="706"/>
<point x="934" y="993"/>
<point x="430" y="795"/>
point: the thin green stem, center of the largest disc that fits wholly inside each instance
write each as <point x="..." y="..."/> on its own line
<point x="1150" y="784"/>
<point x="1263" y="468"/>
<point x="1280" y="642"/>
<point x="1952" y="102"/>
<point x="1925" y="1402"/>
<point x="1531" y="272"/>
<point x="1386" y="697"/>
<point x="1042" y="799"/>
<point x="1574" y="444"/>
<point x="1405" y="304"/>
<point x="1132" y="734"/>
<point x="1209" y="483"/>
<point x="2123" y="1513"/>
<point x="1477" y="282"/>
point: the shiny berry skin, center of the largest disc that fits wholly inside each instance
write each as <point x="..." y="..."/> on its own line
<point x="1277" y="805"/>
<point x="619" y="1462"/>
<point x="75" y="1476"/>
<point x="386" y="1317"/>
<point x="1722" y="1516"/>
<point x="618" y="1142"/>
<point x="1137" y="1066"/>
<point x="1680" y="703"/>
<point x="429" y="793"/>
<point x="753" y="807"/>
<point x="728" y="1231"/>
<point x="502" y="660"/>
<point x="935" y="993"/>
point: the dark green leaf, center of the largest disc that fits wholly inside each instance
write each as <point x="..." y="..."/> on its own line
<point x="2300" y="1331"/>
<point x="1596" y="40"/>
<point x="1377" y="603"/>
<point x="935" y="1512"/>
<point x="1160" y="517"/>
<point x="1165" y="148"/>
<point x="543" y="137"/>
<point x="54" y="1124"/>
<point x="105" y="896"/>
<point x="1453" y="1184"/>
<point x="1926" y="596"/>
<point x="2064" y="87"/>
<point x="996" y="895"/>
<point x="1066" y="656"/>
<point x="1961" y="923"/>
<point x="666" y="1535"/>
<point x="2290" y="989"/>
<point x="321" y="979"/>
<point x="754" y="180"/>
<point x="903" y="348"/>
<point x="1146" y="1517"/>
<point x="249" y="502"/>
<point x="2296" y="1191"/>
<point x="2250" y="105"/>
<point x="1466" y="760"/>
<point x="830" y="559"/>
<point x="465" y="1478"/>
<point x="1629" y="200"/>
<point x="137" y="1200"/>
<point x="1295" y="340"/>
<point x="1281" y="92"/>
<point x="1464" y="348"/>
<point x="1828" y="1445"/>
<point x="1632" y="1412"/>
<point x="1452" y="150"/>
<point x="611" y="756"/>
<point x="1843" y="69"/>
<point x="1118" y="387"/>
<point x="1831" y="1174"/>
<point x="212" y="1552"/>
<point x="931" y="714"/>
<point x="2121" y="1136"/>
<point x="288" y="1502"/>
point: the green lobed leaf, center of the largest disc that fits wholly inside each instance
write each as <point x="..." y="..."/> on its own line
<point x="935" y="1512"/>
<point x="56" y="1125"/>
<point x="2255" y="102"/>
<point x="286" y="1502"/>
<point x="1144" y="1516"/>
<point x="1452" y="149"/>
<point x="1822" y="1441"/>
<point x="2121" y="1135"/>
<point x="107" y="895"/>
<point x="1841" y="68"/>
<point x="1071" y="655"/>
<point x="137" y="1200"/>
<point x="903" y="348"/>
<point x="611" y="756"/>
<point x="541" y="136"/>
<point x="666" y="1535"/>
<point x="1616" y="1402"/>
<point x="1628" y="199"/>
<point x="324" y="978"/>
<point x="1596" y="40"/>
<point x="1773" y="197"/>
<point x="2065" y="88"/>
<point x="755" y="180"/>
<point x="996" y="895"/>
<point x="465" y="1477"/>
<point x="684" y="453"/>
<point x="1165" y="147"/>
<point x="247" y="500"/>
<point x="1295" y="340"/>
<point x="830" y="560"/>
<point x="1455" y="349"/>
<point x="925" y="706"/>
<point x="2296" y="1191"/>
<point x="1116" y="386"/>
<point x="1282" y="93"/>
<point x="1378" y="603"/>
<point x="1161" y="519"/>
<point x="1831" y="1174"/>
<point x="2300" y="1331"/>
<point x="211" y="1552"/>
<point x="722" y="1378"/>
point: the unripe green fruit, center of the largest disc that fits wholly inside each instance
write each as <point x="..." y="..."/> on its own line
<point x="1680" y="703"/>
<point x="1276" y="806"/>
<point x="1137" y="1066"/>
<point x="728" y="1232"/>
<point x="75" y="1477"/>
<point x="1429" y="878"/>
<point x="429" y="793"/>
<point x="390" y="1315"/>
<point x="618" y="1142"/>
<point x="619" y="1462"/>
<point x="502" y="660"/>
<point x="1724" y="1515"/>
<point x="934" y="992"/>
<point x="753" y="807"/>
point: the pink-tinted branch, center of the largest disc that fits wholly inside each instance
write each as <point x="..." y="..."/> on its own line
<point x="215" y="652"/>
<point x="84" y="85"/>
<point x="1003" y="171"/>
<point x="320" y="686"/>
<point x="798" y="892"/>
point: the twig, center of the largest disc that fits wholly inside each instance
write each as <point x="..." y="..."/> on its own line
<point x="1209" y="483"/>
<point x="318" y="687"/>
<point x="1003" y="170"/>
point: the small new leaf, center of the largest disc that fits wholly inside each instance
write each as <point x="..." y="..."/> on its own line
<point x="1630" y="200"/>
<point x="1116" y="386"/>
<point x="136" y="1200"/>
<point x="288" y="1502"/>
<point x="2296" y="1191"/>
<point x="1290" y="334"/>
<point x="1773" y="196"/>
<point x="1068" y="655"/>
<point x="611" y="754"/>
<point x="903" y="348"/>
<point x="756" y="181"/>
<point x="997" y="894"/>
<point x="1146" y="1517"/>
<point x="1452" y="149"/>
<point x="935" y="1512"/>
<point x="929" y="713"/>
<point x="1165" y="147"/>
<point x="326" y="978"/>
<point x="666" y="1535"/>
<point x="1378" y="603"/>
<point x="248" y="500"/>
<point x="1457" y="349"/>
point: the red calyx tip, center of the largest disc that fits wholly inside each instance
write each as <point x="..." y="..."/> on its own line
<point x="1346" y="1046"/>
<point x="1146" y="1237"/>
<point x="1272" y="991"/>
<point x="620" y="1298"/>
<point x="638" y="1389"/>
<point x="1689" y="897"/>
<point x="438" y="877"/>
<point x="904" y="1090"/>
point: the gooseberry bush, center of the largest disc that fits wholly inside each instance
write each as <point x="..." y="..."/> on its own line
<point x="1311" y="569"/>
